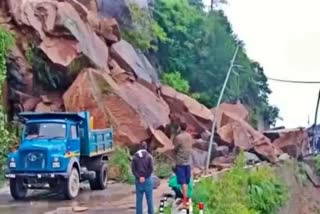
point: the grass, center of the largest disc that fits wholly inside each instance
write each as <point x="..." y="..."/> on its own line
<point x="121" y="159"/>
<point x="241" y="191"/>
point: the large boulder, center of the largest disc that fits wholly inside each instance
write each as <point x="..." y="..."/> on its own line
<point x="129" y="108"/>
<point x="241" y="134"/>
<point x="294" y="142"/>
<point x="133" y="61"/>
<point x="237" y="110"/>
<point x="198" y="117"/>
<point x="53" y="18"/>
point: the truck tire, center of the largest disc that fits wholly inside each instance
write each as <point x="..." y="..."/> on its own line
<point x="17" y="189"/>
<point x="101" y="180"/>
<point x="72" y="185"/>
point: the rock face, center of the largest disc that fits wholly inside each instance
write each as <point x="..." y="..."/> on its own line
<point x="294" y="142"/>
<point x="46" y="17"/>
<point x="120" y="106"/>
<point x="188" y="109"/>
<point x="117" y="84"/>
<point x="129" y="60"/>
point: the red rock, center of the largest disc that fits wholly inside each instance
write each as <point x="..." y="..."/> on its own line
<point x="293" y="142"/>
<point x="246" y="137"/>
<point x="163" y="140"/>
<point x="188" y="109"/>
<point x="107" y="28"/>
<point x="60" y="51"/>
<point x="91" y="5"/>
<point x="130" y="108"/>
<point x="131" y="61"/>
<point x="50" y="17"/>
<point x="30" y="104"/>
<point x="235" y="110"/>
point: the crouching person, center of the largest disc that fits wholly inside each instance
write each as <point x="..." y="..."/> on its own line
<point x="142" y="169"/>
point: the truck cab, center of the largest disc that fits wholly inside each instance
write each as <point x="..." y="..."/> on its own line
<point x="58" y="151"/>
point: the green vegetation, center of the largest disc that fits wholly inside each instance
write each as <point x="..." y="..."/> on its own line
<point x="194" y="49"/>
<point x="316" y="160"/>
<point x="239" y="191"/>
<point x="163" y="166"/>
<point x="48" y="75"/>
<point x="144" y="30"/>
<point x="175" y="80"/>
<point x="121" y="159"/>
<point x="199" y="46"/>
<point x="7" y="138"/>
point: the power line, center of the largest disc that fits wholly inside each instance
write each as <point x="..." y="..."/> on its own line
<point x="294" y="81"/>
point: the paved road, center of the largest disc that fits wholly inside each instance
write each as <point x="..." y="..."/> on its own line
<point x="117" y="199"/>
<point x="40" y="202"/>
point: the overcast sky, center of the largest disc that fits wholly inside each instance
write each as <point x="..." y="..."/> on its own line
<point x="284" y="36"/>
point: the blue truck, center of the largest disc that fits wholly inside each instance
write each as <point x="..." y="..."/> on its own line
<point x="58" y="151"/>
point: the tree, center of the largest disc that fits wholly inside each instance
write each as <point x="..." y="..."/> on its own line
<point x="200" y="46"/>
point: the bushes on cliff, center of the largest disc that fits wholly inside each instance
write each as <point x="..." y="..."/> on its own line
<point x="242" y="191"/>
<point x="7" y="138"/>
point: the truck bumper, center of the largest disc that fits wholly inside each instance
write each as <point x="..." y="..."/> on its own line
<point x="36" y="175"/>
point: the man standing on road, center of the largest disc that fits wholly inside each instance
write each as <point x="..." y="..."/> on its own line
<point x="182" y="151"/>
<point x="142" y="169"/>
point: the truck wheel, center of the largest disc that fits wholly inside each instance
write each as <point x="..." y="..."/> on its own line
<point x="101" y="180"/>
<point x="17" y="189"/>
<point x="72" y="185"/>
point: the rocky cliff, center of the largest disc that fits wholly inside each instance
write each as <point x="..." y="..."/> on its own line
<point x="69" y="56"/>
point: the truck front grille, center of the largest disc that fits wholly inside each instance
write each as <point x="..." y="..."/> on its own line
<point x="34" y="160"/>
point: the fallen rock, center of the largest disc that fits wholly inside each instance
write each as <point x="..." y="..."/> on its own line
<point x="222" y="151"/>
<point x="46" y="16"/>
<point x="79" y="209"/>
<point x="120" y="106"/>
<point x="313" y="177"/>
<point x="284" y="157"/>
<point x="251" y="158"/>
<point x="199" y="158"/>
<point x="293" y="142"/>
<point x="247" y="138"/>
<point x="107" y="28"/>
<point x="91" y="5"/>
<point x="129" y="60"/>
<point x="195" y="114"/>
<point x="237" y="111"/>
<point x="164" y="144"/>
<point x="60" y="51"/>
<point x="222" y="163"/>
<point x="155" y="181"/>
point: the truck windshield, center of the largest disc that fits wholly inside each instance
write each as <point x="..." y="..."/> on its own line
<point x="45" y="130"/>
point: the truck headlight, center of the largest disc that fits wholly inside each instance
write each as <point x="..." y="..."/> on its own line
<point x="56" y="163"/>
<point x="12" y="163"/>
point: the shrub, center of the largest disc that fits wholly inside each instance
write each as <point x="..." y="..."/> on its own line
<point x="175" y="80"/>
<point x="240" y="191"/>
<point x="7" y="138"/>
<point x="121" y="159"/>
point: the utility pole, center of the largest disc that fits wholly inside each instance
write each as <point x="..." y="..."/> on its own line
<point x="314" y="140"/>
<point x="216" y="113"/>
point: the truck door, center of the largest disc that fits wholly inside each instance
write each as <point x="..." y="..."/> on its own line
<point x="74" y="141"/>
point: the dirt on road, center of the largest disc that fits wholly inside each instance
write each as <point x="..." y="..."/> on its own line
<point x="118" y="198"/>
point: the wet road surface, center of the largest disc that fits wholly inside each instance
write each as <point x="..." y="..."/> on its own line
<point x="116" y="199"/>
<point x="40" y="202"/>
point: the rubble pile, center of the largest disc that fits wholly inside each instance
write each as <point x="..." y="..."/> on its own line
<point x="118" y="85"/>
